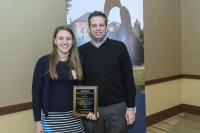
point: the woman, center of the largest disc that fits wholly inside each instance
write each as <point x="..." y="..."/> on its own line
<point x="52" y="86"/>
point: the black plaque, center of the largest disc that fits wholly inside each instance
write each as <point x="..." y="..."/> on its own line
<point x="84" y="100"/>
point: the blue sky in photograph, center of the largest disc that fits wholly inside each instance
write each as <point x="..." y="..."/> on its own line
<point x="80" y="7"/>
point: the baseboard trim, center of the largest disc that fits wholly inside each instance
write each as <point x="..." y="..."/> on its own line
<point x="174" y="77"/>
<point x="164" y="79"/>
<point x="189" y="76"/>
<point x="191" y="109"/>
<point x="15" y="108"/>
<point x="162" y="115"/>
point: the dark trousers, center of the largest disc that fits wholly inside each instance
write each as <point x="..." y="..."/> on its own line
<point x="111" y="120"/>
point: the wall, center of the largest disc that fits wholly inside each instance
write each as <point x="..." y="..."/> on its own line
<point x="190" y="92"/>
<point x="162" y="38"/>
<point x="20" y="122"/>
<point x="190" y="40"/>
<point x="163" y="96"/>
<point x="162" y="53"/>
<point x="190" y="47"/>
<point x="159" y="64"/>
<point x="26" y="34"/>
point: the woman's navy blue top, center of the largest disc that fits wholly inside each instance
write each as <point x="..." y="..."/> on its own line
<point x="51" y="95"/>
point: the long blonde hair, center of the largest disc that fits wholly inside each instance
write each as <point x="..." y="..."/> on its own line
<point x="74" y="60"/>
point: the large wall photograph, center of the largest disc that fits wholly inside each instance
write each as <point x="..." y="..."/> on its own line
<point x="125" y="23"/>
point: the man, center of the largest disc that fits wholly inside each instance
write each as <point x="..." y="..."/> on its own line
<point x="106" y="63"/>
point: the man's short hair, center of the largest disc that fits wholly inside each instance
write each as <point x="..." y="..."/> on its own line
<point x="97" y="13"/>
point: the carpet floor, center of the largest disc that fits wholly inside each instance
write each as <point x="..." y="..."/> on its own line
<point x="181" y="123"/>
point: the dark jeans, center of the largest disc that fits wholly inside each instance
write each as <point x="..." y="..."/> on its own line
<point x="111" y="120"/>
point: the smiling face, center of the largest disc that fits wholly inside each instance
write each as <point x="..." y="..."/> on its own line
<point x="98" y="28"/>
<point x="64" y="42"/>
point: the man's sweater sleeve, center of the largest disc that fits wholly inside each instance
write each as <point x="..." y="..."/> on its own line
<point x="127" y="77"/>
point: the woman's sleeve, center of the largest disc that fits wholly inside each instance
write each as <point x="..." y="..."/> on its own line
<point x="37" y="90"/>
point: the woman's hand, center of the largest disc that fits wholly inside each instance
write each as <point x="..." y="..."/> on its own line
<point x="38" y="127"/>
<point x="92" y="116"/>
